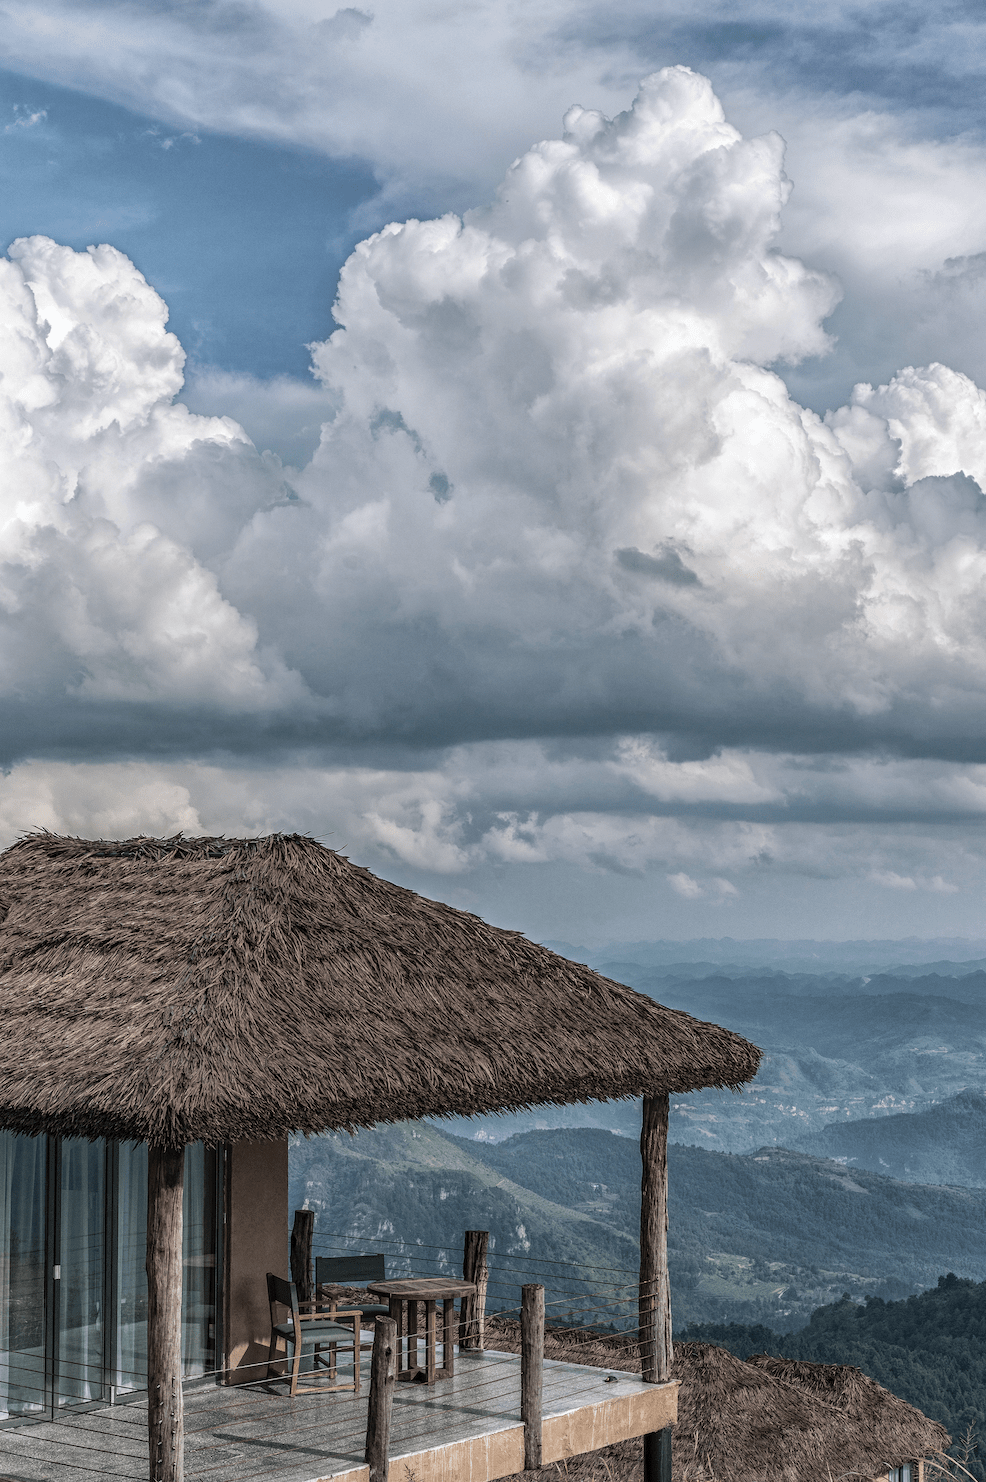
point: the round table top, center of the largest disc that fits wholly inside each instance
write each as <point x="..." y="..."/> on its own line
<point x="426" y="1288"/>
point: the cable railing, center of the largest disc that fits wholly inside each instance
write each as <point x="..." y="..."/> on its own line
<point x="587" y="1313"/>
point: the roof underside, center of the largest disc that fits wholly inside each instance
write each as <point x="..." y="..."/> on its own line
<point x="227" y="989"/>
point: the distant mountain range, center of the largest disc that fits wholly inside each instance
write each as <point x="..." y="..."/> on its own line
<point x="833" y="1052"/>
<point x="762" y="1237"/>
<point x="907" y="956"/>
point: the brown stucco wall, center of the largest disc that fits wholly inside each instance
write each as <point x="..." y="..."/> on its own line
<point x="256" y="1242"/>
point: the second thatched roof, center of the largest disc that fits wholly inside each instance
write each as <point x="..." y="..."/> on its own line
<point x="171" y="990"/>
<point x="767" y="1417"/>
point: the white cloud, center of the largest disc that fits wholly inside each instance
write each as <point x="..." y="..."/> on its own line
<point x="559" y="489"/>
<point x="893" y="881"/>
<point x="282" y="414"/>
<point x="23" y="119"/>
<point x="296" y="72"/>
<point x="556" y="432"/>
<point x="685" y="886"/>
<point x="108" y="492"/>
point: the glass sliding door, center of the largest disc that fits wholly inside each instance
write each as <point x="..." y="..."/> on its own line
<point x="80" y="1293"/>
<point x="200" y="1228"/>
<point x="73" y="1289"/>
<point x="23" y="1268"/>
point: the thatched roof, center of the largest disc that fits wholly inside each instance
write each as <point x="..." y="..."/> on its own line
<point x="170" y="990"/>
<point x="790" y="1422"/>
<point x="895" y="1432"/>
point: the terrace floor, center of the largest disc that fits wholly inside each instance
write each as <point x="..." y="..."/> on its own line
<point x="466" y="1429"/>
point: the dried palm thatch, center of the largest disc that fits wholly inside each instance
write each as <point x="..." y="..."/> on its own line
<point x="897" y="1432"/>
<point x="760" y="1420"/>
<point x="171" y="990"/>
<point x="768" y="1418"/>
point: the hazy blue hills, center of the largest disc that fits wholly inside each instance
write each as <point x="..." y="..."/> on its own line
<point x="943" y="1144"/>
<point x="790" y="956"/>
<point x="835" y="1051"/>
<point x="762" y="1237"/>
<point x="966" y="987"/>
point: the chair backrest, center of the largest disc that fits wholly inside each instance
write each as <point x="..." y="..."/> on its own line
<point x="349" y="1270"/>
<point x="283" y="1294"/>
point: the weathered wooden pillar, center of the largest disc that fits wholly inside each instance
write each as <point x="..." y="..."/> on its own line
<point x="383" y="1379"/>
<point x="531" y="1371"/>
<point x="165" y="1418"/>
<point x="473" y="1309"/>
<point x="302" y="1234"/>
<point x="657" y="1456"/>
<point x="656" y="1353"/>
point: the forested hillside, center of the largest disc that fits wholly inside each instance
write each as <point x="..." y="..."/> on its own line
<point x="929" y="1349"/>
<point x="942" y="1144"/>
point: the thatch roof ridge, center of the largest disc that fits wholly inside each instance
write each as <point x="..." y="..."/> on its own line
<point x="221" y="989"/>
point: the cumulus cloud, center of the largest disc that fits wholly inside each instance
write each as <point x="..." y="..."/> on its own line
<point x="570" y="578"/>
<point x="880" y="108"/>
<point x="110" y="506"/>
<point x="563" y="492"/>
<point x="685" y="886"/>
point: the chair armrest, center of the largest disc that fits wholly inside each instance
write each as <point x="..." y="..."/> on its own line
<point x="332" y="1316"/>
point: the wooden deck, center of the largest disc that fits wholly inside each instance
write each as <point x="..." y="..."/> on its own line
<point x="466" y="1429"/>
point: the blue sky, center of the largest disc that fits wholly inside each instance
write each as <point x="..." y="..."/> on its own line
<point x="244" y="238"/>
<point x="605" y="549"/>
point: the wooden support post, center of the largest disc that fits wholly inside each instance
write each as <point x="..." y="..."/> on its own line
<point x="165" y="1419"/>
<point x="301" y="1253"/>
<point x="656" y="1353"/>
<point x="473" y="1309"/>
<point x="383" y="1375"/>
<point x="657" y="1456"/>
<point x="531" y="1371"/>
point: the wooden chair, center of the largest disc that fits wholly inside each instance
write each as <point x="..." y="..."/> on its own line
<point x="310" y="1330"/>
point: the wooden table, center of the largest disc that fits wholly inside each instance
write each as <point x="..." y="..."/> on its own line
<point x="429" y="1291"/>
